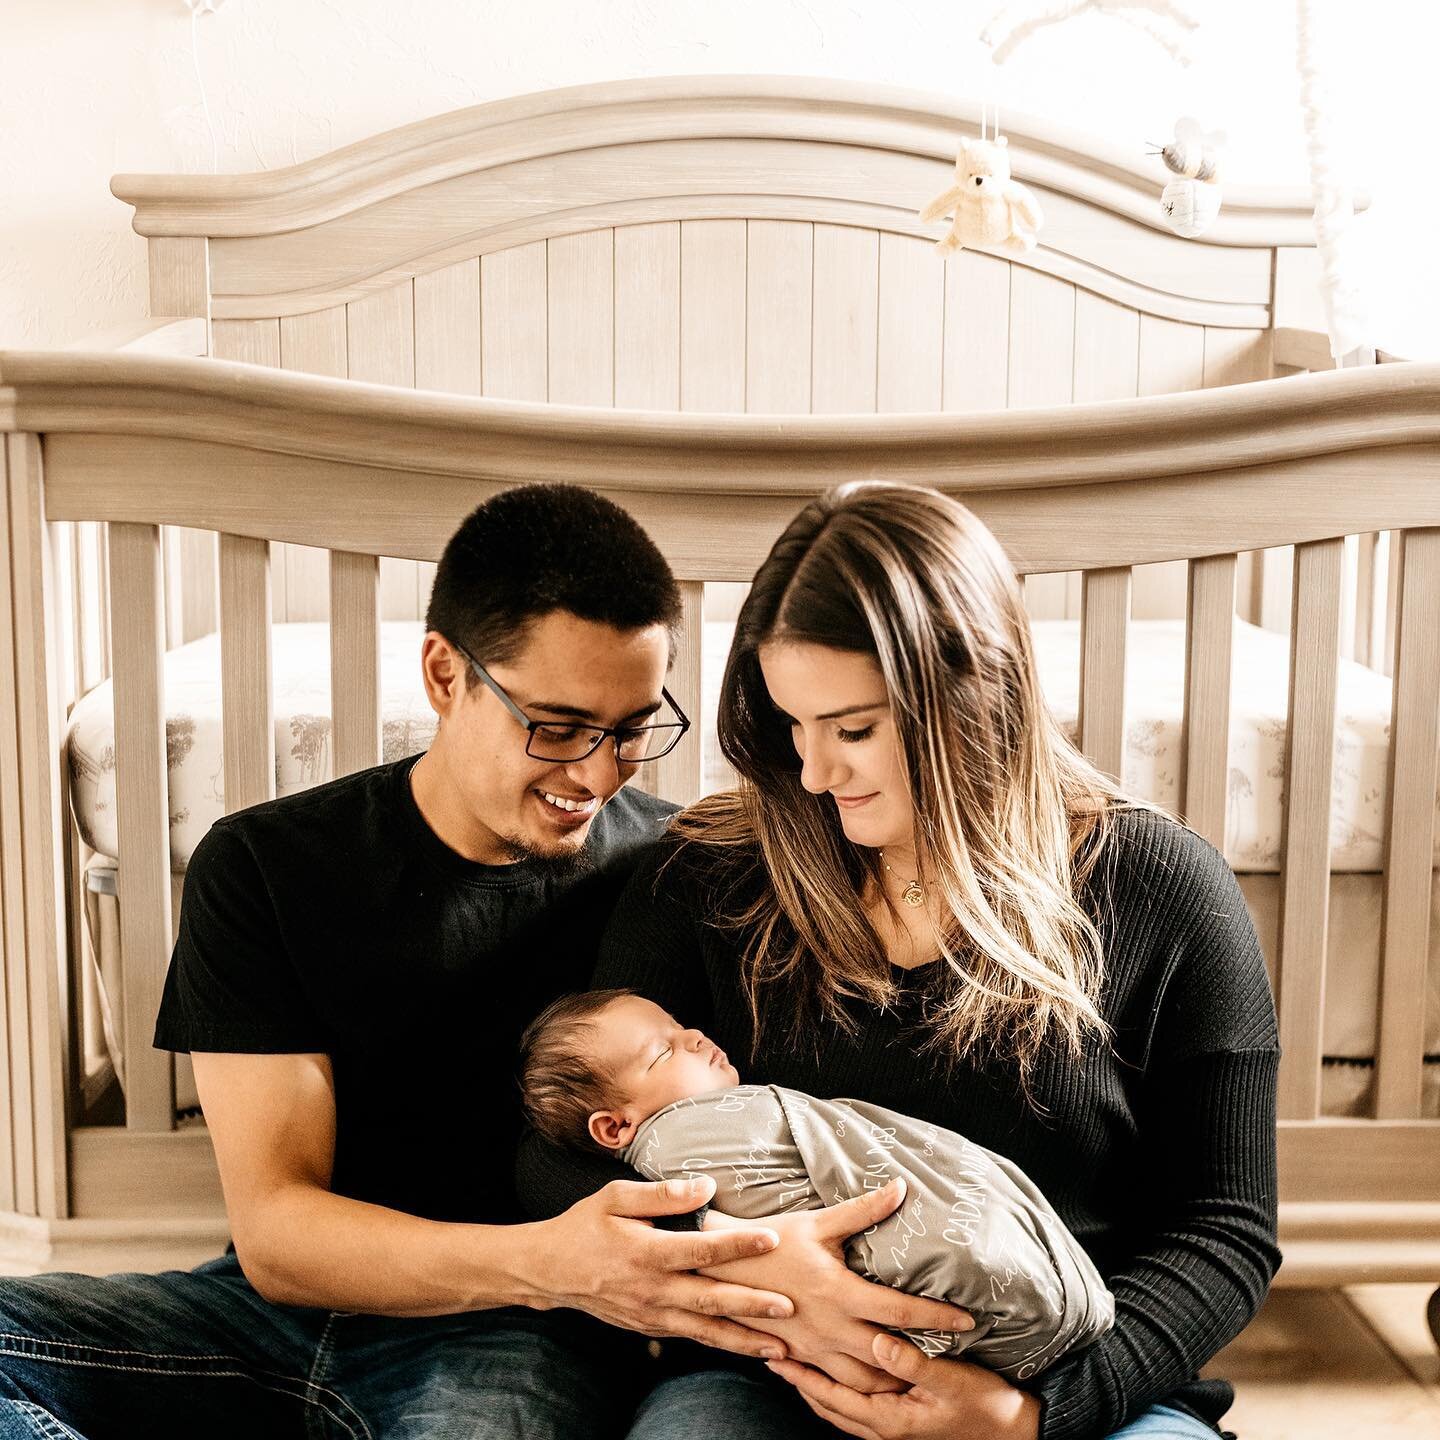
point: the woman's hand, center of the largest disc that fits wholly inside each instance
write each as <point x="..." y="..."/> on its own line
<point x="944" y="1398"/>
<point x="838" y="1315"/>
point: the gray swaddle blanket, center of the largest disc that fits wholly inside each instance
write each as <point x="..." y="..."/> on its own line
<point x="973" y="1229"/>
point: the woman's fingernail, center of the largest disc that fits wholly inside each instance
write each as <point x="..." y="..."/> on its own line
<point x="887" y="1349"/>
<point x="777" y="1312"/>
<point x="773" y="1354"/>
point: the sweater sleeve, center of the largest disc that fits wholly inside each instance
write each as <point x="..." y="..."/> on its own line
<point x="651" y="944"/>
<point x="1206" y="1169"/>
<point x="1195" y="1281"/>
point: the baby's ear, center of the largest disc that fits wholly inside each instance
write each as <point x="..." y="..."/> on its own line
<point x="612" y="1131"/>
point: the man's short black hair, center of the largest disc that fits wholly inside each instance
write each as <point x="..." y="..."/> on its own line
<point x="538" y="548"/>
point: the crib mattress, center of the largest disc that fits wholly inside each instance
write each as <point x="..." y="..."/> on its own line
<point x="1154" y="689"/>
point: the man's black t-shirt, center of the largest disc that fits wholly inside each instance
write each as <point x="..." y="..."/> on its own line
<point x="336" y="921"/>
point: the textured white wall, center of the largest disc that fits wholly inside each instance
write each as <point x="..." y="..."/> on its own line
<point x="95" y="89"/>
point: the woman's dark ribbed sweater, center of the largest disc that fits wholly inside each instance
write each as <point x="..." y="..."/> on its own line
<point x="1157" y="1149"/>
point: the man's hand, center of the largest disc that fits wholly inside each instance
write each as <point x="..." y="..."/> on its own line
<point x="604" y="1257"/>
<point x="838" y="1315"/>
<point x="939" y="1399"/>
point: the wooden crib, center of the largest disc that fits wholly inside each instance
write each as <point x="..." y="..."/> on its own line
<point x="708" y="299"/>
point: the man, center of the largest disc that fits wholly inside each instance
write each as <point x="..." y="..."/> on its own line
<point x="353" y="969"/>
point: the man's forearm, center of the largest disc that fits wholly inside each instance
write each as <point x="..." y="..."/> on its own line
<point x="307" y="1246"/>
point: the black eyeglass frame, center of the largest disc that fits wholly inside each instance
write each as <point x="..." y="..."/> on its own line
<point x="680" y="724"/>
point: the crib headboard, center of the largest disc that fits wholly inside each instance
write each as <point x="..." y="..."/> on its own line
<point x="709" y="244"/>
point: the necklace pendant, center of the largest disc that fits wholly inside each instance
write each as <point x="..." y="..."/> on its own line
<point x="913" y="895"/>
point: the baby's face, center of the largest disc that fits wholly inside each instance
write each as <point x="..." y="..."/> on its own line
<point x="655" y="1062"/>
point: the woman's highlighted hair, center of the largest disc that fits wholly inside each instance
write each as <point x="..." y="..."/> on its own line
<point x="1009" y="815"/>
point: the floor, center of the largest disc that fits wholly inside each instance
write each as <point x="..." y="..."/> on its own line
<point x="1354" y="1364"/>
<point x="1358" y="1363"/>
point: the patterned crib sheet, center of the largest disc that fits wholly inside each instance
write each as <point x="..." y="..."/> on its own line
<point x="1153" y="694"/>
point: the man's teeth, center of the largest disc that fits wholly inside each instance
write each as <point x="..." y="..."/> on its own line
<point x="560" y="803"/>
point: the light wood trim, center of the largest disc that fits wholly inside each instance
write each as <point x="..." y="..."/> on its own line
<point x="354" y="661"/>
<point x="185" y="337"/>
<point x="1384" y="1160"/>
<point x="712" y="315"/>
<point x="779" y="288"/>
<point x="1205" y="728"/>
<point x="580" y="304"/>
<point x="1237" y="357"/>
<point x="910" y="344"/>
<point x="41" y="731"/>
<point x="647" y="316"/>
<point x="678" y="775"/>
<point x="513" y="309"/>
<point x="1344" y="1243"/>
<point x="1304" y="349"/>
<point x="179" y="267"/>
<point x="124" y="1176"/>
<point x="142" y="799"/>
<point x="447" y="329"/>
<point x="636" y="112"/>
<point x="1305" y="825"/>
<point x="17" y="1092"/>
<point x="1104" y="617"/>
<point x="1409" y="829"/>
<point x="401" y="264"/>
<point x="251" y="342"/>
<point x="1226" y="428"/>
<point x="344" y="506"/>
<point x="845" y="322"/>
<point x="977" y="333"/>
<point x="246" y="683"/>
<point x="316" y="343"/>
<point x="380" y="336"/>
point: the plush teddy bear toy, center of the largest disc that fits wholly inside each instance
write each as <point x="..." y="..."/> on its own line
<point x="990" y="208"/>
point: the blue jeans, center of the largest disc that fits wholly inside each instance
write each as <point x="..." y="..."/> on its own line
<point x="200" y="1353"/>
<point x="753" y="1407"/>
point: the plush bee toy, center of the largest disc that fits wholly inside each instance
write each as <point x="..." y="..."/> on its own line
<point x="1191" y="202"/>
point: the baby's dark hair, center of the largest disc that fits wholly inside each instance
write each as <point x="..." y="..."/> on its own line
<point x="560" y="1085"/>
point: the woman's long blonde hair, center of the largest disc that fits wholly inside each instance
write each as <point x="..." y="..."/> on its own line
<point x="1009" y="816"/>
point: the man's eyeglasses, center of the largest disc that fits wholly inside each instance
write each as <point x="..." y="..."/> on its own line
<point x="564" y="742"/>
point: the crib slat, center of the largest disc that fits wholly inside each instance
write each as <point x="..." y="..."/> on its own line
<point x="1205" y="742"/>
<point x="43" y="832"/>
<point x="678" y="775"/>
<point x="17" y="1109"/>
<point x="1409" y="829"/>
<point x="1104" y="615"/>
<point x="1305" y="833"/>
<point x="647" y="316"/>
<point x="512" y="322"/>
<point x="246" y="691"/>
<point x="977" y="332"/>
<point x="909" y="363"/>
<point x="142" y="791"/>
<point x="581" y="307"/>
<point x="779" y="285"/>
<point x="843" y="327"/>
<point x="712" y="315"/>
<point x="447" y="329"/>
<point x="380" y="336"/>
<point x="1042" y="372"/>
<point x="354" y="661"/>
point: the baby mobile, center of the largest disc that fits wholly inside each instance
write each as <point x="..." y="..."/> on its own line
<point x="989" y="208"/>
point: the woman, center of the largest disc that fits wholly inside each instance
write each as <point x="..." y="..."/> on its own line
<point x="922" y="895"/>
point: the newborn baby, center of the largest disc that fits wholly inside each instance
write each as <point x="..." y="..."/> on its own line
<point x="611" y="1070"/>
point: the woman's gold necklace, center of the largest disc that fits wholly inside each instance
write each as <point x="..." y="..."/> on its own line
<point x="913" y="893"/>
